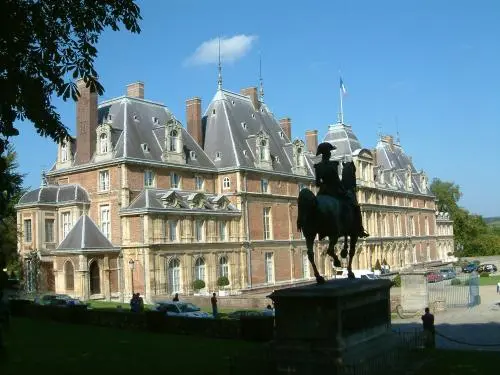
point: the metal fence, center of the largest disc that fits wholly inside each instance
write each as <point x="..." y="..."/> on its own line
<point x="462" y="291"/>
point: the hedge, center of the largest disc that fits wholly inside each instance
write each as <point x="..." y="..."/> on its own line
<point x="249" y="328"/>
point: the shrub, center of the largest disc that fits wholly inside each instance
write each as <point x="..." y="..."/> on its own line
<point x="396" y="281"/>
<point x="484" y="274"/>
<point x="222" y="281"/>
<point x="198" y="284"/>
<point x="456" y="282"/>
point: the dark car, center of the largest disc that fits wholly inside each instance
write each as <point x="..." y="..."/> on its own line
<point x="487" y="268"/>
<point x="470" y="268"/>
<point x="447" y="273"/>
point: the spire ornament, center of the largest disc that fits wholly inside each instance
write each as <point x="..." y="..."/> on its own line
<point x="219" y="79"/>
<point x="261" y="82"/>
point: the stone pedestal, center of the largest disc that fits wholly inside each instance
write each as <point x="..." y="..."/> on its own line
<point x="320" y="327"/>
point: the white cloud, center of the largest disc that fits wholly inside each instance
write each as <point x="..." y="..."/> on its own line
<point x="231" y="49"/>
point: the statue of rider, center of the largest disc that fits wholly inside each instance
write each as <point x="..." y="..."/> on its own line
<point x="328" y="181"/>
<point x="349" y="184"/>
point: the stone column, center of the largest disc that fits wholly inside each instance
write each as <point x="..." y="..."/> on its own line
<point x="106" y="285"/>
<point x="82" y="286"/>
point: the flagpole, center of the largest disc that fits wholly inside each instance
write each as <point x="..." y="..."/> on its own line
<point x="341" y="107"/>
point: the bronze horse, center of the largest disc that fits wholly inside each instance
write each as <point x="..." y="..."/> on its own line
<point x="328" y="216"/>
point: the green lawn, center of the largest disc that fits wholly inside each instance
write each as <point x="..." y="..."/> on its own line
<point x="459" y="362"/>
<point x="492" y="280"/>
<point x="42" y="347"/>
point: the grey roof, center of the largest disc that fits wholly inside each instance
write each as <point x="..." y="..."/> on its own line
<point x="231" y="124"/>
<point x="135" y="122"/>
<point x="342" y="136"/>
<point x="171" y="200"/>
<point x="85" y="235"/>
<point x="55" y="194"/>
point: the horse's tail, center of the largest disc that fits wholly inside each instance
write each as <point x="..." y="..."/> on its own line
<point x="307" y="206"/>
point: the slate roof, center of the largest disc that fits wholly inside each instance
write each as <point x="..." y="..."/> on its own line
<point x="137" y="121"/>
<point x="172" y="200"/>
<point x="55" y="195"/>
<point x="342" y="136"/>
<point x="231" y="124"/>
<point x="85" y="236"/>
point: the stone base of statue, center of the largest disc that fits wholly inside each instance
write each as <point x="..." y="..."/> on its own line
<point x="326" y="327"/>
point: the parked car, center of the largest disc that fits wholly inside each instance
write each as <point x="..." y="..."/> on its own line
<point x="62" y="300"/>
<point x="447" y="273"/>
<point x="433" y="277"/>
<point x="487" y="268"/>
<point x="184" y="309"/>
<point x="471" y="267"/>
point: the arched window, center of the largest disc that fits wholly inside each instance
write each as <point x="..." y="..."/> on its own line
<point x="69" y="276"/>
<point x="174" y="137"/>
<point x="199" y="269"/>
<point x="64" y="152"/>
<point x="95" y="278"/>
<point x="223" y="267"/>
<point x="103" y="143"/>
<point x="300" y="157"/>
<point x="174" y="276"/>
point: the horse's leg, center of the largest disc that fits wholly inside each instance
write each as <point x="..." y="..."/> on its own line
<point x="332" y="241"/>
<point x="352" y="253"/>
<point x="310" y="254"/>
<point x="343" y="253"/>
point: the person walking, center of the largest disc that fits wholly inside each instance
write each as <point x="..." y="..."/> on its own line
<point x="213" y="300"/>
<point x="429" y="329"/>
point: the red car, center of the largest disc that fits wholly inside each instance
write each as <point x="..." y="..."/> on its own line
<point x="433" y="277"/>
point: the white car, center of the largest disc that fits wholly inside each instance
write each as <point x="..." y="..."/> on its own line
<point x="184" y="309"/>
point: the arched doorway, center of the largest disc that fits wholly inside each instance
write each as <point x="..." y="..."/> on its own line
<point x="95" y="278"/>
<point x="69" y="276"/>
<point x="174" y="276"/>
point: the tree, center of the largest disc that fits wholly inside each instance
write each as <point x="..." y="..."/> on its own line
<point x="11" y="190"/>
<point x="447" y="193"/>
<point x="44" y="47"/>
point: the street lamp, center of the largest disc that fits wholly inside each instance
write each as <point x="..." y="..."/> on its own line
<point x="131" y="264"/>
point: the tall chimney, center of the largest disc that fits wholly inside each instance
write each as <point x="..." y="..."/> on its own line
<point x="86" y="123"/>
<point x="252" y="93"/>
<point x="136" y="90"/>
<point x="312" y="141"/>
<point x="286" y="126"/>
<point x="193" y="119"/>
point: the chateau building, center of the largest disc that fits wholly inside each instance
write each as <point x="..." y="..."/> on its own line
<point x="138" y="202"/>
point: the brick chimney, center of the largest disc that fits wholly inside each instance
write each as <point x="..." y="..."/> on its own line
<point x="136" y="90"/>
<point x="286" y="126"/>
<point x="193" y="119"/>
<point x="312" y="141"/>
<point x="86" y="123"/>
<point x="252" y="93"/>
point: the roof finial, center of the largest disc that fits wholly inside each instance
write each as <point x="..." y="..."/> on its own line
<point x="261" y="82"/>
<point x="44" y="177"/>
<point x="397" y="132"/>
<point x="219" y="79"/>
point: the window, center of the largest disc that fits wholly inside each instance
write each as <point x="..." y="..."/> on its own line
<point x="64" y="152"/>
<point x="245" y="153"/>
<point x="218" y="155"/>
<point x="174" y="276"/>
<point x="172" y="230"/>
<point x="149" y="178"/>
<point x="232" y="102"/>
<point x="226" y="183"/>
<point x="199" y="269"/>
<point x="199" y="227"/>
<point x="49" y="230"/>
<point x="192" y="155"/>
<point x="222" y="230"/>
<point x="264" y="185"/>
<point x="213" y="111"/>
<point x="223" y="267"/>
<point x="198" y="182"/>
<point x="104" y="180"/>
<point x="156" y="121"/>
<point x="267" y="223"/>
<point x="263" y="150"/>
<point x="174" y="137"/>
<point x="175" y="181"/>
<point x="66" y="223"/>
<point x="103" y="143"/>
<point x="269" y="267"/>
<point x="426" y="226"/>
<point x="300" y="157"/>
<point x="105" y="220"/>
<point x="145" y="147"/>
<point x="244" y="125"/>
<point x="282" y="135"/>
<point x="411" y="226"/>
<point x="305" y="266"/>
<point x="27" y="231"/>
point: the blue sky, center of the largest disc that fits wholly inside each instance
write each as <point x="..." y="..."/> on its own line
<point x="429" y="66"/>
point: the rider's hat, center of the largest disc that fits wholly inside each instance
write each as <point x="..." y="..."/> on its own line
<point x="324" y="148"/>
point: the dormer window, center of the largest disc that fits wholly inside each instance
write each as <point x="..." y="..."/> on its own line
<point x="103" y="143"/>
<point x="245" y="153"/>
<point x="173" y="146"/>
<point x="218" y="155"/>
<point x="298" y="157"/>
<point x="282" y="135"/>
<point x="136" y="118"/>
<point x="263" y="150"/>
<point x="174" y="135"/>
<point x="156" y="121"/>
<point x="213" y="111"/>
<point x="232" y="102"/>
<point x="145" y="147"/>
<point x="192" y="155"/>
<point x="64" y="152"/>
<point x="253" y="115"/>
<point x="244" y="125"/>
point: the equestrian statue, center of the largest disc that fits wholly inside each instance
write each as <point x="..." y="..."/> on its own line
<point x="334" y="212"/>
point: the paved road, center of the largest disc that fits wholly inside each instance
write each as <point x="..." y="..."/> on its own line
<point x="479" y="325"/>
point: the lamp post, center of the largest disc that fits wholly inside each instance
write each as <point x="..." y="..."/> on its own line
<point x="131" y="264"/>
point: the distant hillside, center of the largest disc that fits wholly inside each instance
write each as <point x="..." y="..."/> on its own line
<point x="493" y="221"/>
